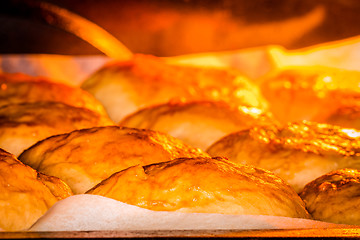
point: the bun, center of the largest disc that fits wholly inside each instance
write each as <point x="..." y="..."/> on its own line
<point x="125" y="87"/>
<point x="22" y="125"/>
<point x="203" y="185"/>
<point x="83" y="158"/>
<point x="309" y="93"/>
<point x="298" y="152"/>
<point x="197" y="123"/>
<point x="343" y="116"/>
<point x="21" y="88"/>
<point x="334" y="197"/>
<point x="25" y="195"/>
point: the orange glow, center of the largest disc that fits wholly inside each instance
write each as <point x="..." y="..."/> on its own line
<point x="351" y="132"/>
<point x="251" y="111"/>
<point x="339" y="54"/>
<point x="86" y="30"/>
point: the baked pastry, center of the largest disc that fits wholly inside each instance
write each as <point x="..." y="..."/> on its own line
<point x="21" y="88"/>
<point x="25" y="195"/>
<point x="297" y="152"/>
<point x="197" y="123"/>
<point x="343" y="116"/>
<point x="22" y="125"/>
<point x="125" y="87"/>
<point x="309" y="93"/>
<point x="83" y="158"/>
<point x="334" y="197"/>
<point x="203" y="185"/>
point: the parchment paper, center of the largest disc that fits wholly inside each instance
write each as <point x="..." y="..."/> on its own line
<point x="87" y="212"/>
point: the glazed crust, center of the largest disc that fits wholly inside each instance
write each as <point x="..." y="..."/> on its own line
<point x="24" y="196"/>
<point x="22" y="125"/>
<point x="198" y="123"/>
<point x="125" y="87"/>
<point x="203" y="185"/>
<point x="309" y="93"/>
<point x="334" y="197"/>
<point x="21" y="88"/>
<point x="85" y="157"/>
<point x="298" y="152"/>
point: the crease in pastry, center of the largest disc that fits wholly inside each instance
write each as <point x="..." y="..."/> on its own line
<point x="24" y="124"/>
<point x="298" y="152"/>
<point x="25" y="193"/>
<point x="83" y="158"/>
<point x="203" y="185"/>
<point x="334" y="197"/>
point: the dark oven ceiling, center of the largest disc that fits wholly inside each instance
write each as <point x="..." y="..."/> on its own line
<point x="167" y="28"/>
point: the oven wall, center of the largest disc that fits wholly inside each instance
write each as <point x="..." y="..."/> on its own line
<point x="167" y="28"/>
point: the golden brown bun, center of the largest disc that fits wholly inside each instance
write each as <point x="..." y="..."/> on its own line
<point x="334" y="197"/>
<point x="22" y="125"/>
<point x="21" y="88"/>
<point x="203" y="185"/>
<point x="125" y="87"/>
<point x="24" y="196"/>
<point x="197" y="123"/>
<point x="57" y="187"/>
<point x="298" y="152"/>
<point x="85" y="157"/>
<point x="309" y="93"/>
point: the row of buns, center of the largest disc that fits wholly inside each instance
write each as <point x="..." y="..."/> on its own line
<point x="179" y="138"/>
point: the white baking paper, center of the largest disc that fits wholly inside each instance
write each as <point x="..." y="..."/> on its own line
<point x="86" y="212"/>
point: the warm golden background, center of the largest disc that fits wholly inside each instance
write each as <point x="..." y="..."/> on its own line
<point x="166" y="27"/>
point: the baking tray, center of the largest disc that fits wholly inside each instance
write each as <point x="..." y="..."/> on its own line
<point x="334" y="233"/>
